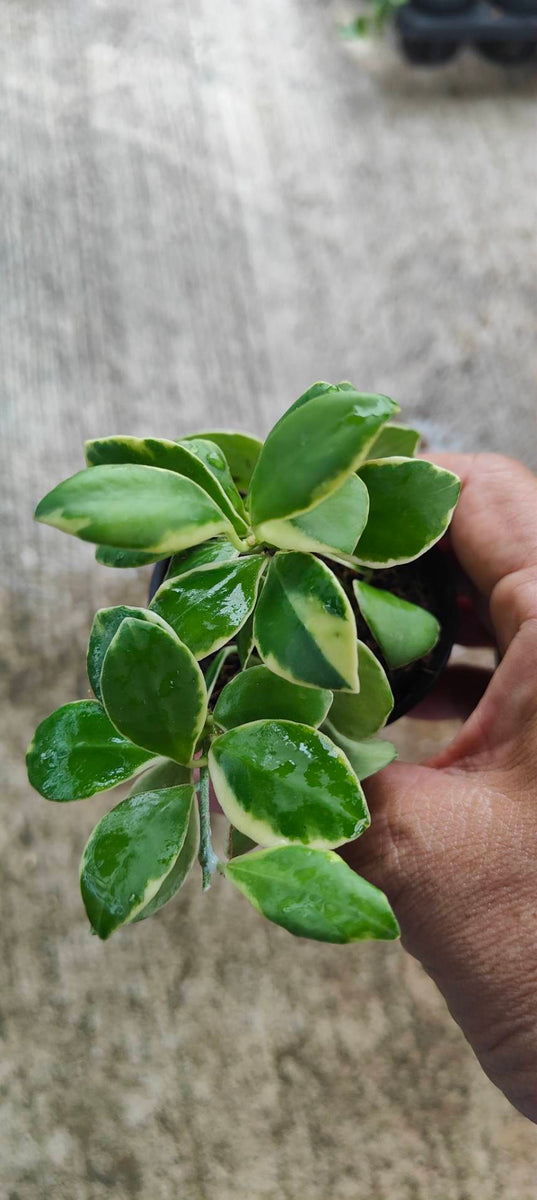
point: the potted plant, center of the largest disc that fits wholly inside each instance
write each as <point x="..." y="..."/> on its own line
<point x="282" y="623"/>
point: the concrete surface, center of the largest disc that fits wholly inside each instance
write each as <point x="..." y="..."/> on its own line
<point x="207" y="206"/>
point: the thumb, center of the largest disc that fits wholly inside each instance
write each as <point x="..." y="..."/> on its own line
<point x="388" y="853"/>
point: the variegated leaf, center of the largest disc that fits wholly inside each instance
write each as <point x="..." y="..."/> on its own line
<point x="312" y="450"/>
<point x="411" y="505"/>
<point x="304" y="626"/>
<point x="76" y="751"/>
<point x="207" y="606"/>
<point x="129" y="858"/>
<point x="134" y="507"/>
<point x="153" y="689"/>
<point x="199" y="460"/>
<point x="280" y="781"/>
<point x="313" y="894"/>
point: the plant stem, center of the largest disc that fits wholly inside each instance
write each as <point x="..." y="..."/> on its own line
<point x="207" y="857"/>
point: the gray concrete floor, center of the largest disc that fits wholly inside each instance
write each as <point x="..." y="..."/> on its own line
<point x="207" y="206"/>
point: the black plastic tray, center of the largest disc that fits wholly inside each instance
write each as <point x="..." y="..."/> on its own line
<point x="428" y="38"/>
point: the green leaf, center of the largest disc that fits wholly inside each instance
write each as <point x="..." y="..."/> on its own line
<point x="183" y="864"/>
<point x="258" y="693"/>
<point x="199" y="460"/>
<point x="130" y="854"/>
<point x="111" y="556"/>
<point x="395" y="440"/>
<point x="312" y="450"/>
<point x="217" y="550"/>
<point x="403" y="631"/>
<point x="411" y="505"/>
<point x="133" y="507"/>
<point x="207" y="606"/>
<point x="216" y="462"/>
<point x="153" y="689"/>
<point x="76" y="752"/>
<point x="279" y="781"/>
<point x="313" y="894"/>
<point x="358" y="715"/>
<point x="164" y="774"/>
<point x="333" y="525"/>
<point x="106" y="623"/>
<point x="244" y="640"/>
<point x="321" y="388"/>
<point x="212" y="672"/>
<point x="304" y="626"/>
<point x="242" y="451"/>
<point x="367" y="757"/>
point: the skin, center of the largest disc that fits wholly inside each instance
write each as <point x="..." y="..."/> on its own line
<point x="453" y="842"/>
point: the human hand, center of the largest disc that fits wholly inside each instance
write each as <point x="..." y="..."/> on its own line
<point x="453" y="843"/>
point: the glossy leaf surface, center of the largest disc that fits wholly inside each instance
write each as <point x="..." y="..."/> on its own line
<point x="105" y="625"/>
<point x="207" y="606"/>
<point x="411" y="505"/>
<point x="110" y="556"/>
<point x="304" y="626"/>
<point x="197" y="460"/>
<point x="321" y="388"/>
<point x="313" y="894"/>
<point x="76" y="751"/>
<point x="403" y="631"/>
<point x="333" y="525"/>
<point x="184" y="862"/>
<point x="359" y="715"/>
<point x="257" y="693"/>
<point x="242" y="451"/>
<point x="133" y="507"/>
<point x="366" y="757"/>
<point x="312" y="450"/>
<point x="216" y="462"/>
<point x="395" y="440"/>
<point x="130" y="853"/>
<point x="217" y="550"/>
<point x="153" y="689"/>
<point x="279" y="781"/>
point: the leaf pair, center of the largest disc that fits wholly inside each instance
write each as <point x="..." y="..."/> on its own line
<point x="258" y="694"/>
<point x="148" y="496"/>
<point x="154" y="702"/>
<point x="304" y="494"/>
<point x="141" y="852"/>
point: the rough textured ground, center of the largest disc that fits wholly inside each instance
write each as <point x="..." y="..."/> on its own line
<point x="205" y="207"/>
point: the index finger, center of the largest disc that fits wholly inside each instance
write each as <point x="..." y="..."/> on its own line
<point x="494" y="535"/>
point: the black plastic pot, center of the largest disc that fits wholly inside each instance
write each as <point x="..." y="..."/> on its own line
<point x="431" y="31"/>
<point x="429" y="52"/>
<point x="522" y="8"/>
<point x="507" y="54"/>
<point x="429" y="581"/>
<point x="443" y="7"/>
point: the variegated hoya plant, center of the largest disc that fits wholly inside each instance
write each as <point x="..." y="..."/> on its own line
<point x="249" y="598"/>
